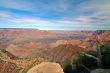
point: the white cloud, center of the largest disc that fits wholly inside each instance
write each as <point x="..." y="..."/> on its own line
<point x="4" y="14"/>
<point x="36" y="6"/>
<point x="100" y="13"/>
<point x="100" y="17"/>
<point x="80" y="21"/>
<point x="84" y="19"/>
<point x="19" y="5"/>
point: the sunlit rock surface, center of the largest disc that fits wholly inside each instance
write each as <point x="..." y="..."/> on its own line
<point x="46" y="67"/>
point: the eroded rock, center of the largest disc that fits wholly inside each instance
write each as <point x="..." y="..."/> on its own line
<point x="101" y="71"/>
<point x="46" y="67"/>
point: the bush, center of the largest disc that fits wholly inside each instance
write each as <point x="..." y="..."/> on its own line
<point x="89" y="61"/>
<point x="105" y="51"/>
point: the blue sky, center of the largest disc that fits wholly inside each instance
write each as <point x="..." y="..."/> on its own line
<point x="55" y="14"/>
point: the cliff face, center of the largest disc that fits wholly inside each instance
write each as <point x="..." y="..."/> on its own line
<point x="104" y="37"/>
<point x="5" y="65"/>
<point x="68" y="49"/>
<point x="59" y="45"/>
<point x="64" y="52"/>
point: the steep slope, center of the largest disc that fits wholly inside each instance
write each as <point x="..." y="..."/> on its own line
<point x="64" y="52"/>
<point x="5" y="65"/>
<point x="7" y="54"/>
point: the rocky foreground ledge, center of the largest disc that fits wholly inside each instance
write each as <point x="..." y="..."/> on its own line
<point x="46" y="67"/>
<point x="101" y="71"/>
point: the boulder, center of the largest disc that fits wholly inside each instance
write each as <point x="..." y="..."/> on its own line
<point x="101" y="71"/>
<point x="46" y="67"/>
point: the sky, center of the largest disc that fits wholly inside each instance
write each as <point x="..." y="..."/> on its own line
<point x="55" y="14"/>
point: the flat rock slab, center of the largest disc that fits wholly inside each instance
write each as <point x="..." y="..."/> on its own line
<point x="101" y="71"/>
<point x="46" y="67"/>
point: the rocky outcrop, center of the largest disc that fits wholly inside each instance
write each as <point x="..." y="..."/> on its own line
<point x="8" y="67"/>
<point x="64" y="52"/>
<point x="46" y="67"/>
<point x="101" y="71"/>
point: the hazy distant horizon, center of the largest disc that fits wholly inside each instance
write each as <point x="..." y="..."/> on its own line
<point x="58" y="29"/>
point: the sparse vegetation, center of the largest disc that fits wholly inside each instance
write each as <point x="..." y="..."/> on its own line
<point x="91" y="60"/>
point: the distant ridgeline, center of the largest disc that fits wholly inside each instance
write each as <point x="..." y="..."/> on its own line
<point x="98" y="32"/>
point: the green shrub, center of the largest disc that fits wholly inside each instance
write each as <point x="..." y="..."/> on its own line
<point x="90" y="60"/>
